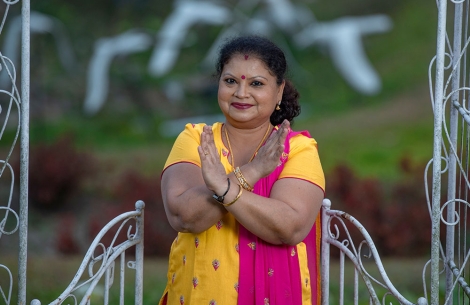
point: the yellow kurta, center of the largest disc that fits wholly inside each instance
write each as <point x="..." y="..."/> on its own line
<point x="203" y="268"/>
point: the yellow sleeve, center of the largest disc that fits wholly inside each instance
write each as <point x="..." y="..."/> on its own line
<point x="185" y="147"/>
<point x="303" y="161"/>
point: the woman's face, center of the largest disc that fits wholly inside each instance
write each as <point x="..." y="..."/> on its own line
<point x="248" y="92"/>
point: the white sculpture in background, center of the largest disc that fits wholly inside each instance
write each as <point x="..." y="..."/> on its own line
<point x="341" y="37"/>
<point x="173" y="32"/>
<point x="106" y="49"/>
<point x="39" y="24"/>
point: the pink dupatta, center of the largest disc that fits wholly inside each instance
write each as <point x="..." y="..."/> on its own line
<point x="270" y="274"/>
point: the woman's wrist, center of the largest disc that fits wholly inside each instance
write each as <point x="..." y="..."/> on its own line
<point x="242" y="180"/>
<point x="220" y="198"/>
<point x="249" y="174"/>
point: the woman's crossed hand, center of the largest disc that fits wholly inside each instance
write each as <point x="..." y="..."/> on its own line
<point x="213" y="171"/>
<point x="264" y="163"/>
<point x="267" y="158"/>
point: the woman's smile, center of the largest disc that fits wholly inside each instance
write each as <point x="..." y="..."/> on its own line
<point x="241" y="106"/>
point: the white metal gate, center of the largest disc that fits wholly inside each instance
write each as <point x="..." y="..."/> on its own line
<point x="101" y="257"/>
<point x="450" y="179"/>
<point x="15" y="102"/>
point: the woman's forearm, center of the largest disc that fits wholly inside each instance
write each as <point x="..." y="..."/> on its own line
<point x="193" y="211"/>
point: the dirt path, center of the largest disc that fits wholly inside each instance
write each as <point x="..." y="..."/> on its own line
<point x="403" y="109"/>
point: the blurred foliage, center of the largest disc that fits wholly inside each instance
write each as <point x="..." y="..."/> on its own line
<point x="57" y="172"/>
<point x="128" y="127"/>
<point x="137" y="105"/>
<point x="401" y="57"/>
<point x="385" y="209"/>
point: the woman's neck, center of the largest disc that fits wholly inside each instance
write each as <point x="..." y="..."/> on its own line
<point x="244" y="143"/>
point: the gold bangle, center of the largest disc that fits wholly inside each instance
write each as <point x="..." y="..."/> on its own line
<point x="242" y="180"/>
<point x="236" y="198"/>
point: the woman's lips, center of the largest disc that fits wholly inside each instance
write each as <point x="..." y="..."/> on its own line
<point x="241" y="105"/>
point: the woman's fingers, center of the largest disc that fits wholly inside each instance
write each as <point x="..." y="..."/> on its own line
<point x="207" y="144"/>
<point x="212" y="169"/>
<point x="282" y="132"/>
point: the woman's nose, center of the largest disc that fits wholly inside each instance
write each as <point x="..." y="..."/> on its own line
<point x="242" y="90"/>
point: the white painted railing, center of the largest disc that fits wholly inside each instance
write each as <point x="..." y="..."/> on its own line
<point x="331" y="236"/>
<point x="82" y="286"/>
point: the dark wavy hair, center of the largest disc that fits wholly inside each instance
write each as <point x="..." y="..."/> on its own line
<point x="274" y="59"/>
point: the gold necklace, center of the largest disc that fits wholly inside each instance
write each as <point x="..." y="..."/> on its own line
<point x="254" y="154"/>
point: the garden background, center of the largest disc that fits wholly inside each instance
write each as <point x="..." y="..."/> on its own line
<point x="84" y="170"/>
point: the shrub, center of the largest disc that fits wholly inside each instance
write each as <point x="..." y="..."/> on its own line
<point x="56" y="172"/>
<point x="133" y="186"/>
<point x="395" y="215"/>
<point x="66" y="243"/>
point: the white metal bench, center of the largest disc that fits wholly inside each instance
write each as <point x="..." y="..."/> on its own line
<point x="81" y="290"/>
<point x="354" y="252"/>
<point x="82" y="287"/>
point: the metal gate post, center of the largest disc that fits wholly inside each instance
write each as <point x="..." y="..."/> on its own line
<point x="437" y="146"/>
<point x="452" y="162"/>
<point x="24" y="153"/>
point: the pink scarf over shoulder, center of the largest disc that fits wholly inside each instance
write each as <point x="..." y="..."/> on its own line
<point x="270" y="274"/>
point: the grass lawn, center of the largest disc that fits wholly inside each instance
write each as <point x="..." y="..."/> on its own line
<point x="372" y="140"/>
<point x="49" y="276"/>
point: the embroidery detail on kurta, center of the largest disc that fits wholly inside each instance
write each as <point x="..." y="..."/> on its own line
<point x="212" y="302"/>
<point x="215" y="264"/>
<point x="292" y="252"/>
<point x="196" y="242"/>
<point x="236" y="286"/>
<point x="195" y="282"/>
<point x="225" y="152"/>
<point x="270" y="271"/>
<point x="219" y="224"/>
<point x="306" y="282"/>
<point x="182" y="300"/>
<point x="252" y="245"/>
<point x="173" y="278"/>
<point x="184" y="260"/>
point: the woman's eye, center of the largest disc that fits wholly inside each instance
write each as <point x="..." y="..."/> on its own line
<point x="256" y="83"/>
<point x="230" y="81"/>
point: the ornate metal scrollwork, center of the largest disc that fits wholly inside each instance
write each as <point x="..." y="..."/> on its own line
<point x="82" y="289"/>
<point x="331" y="219"/>
<point x="10" y="116"/>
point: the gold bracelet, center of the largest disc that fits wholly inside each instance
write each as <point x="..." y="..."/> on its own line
<point x="236" y="198"/>
<point x="242" y="180"/>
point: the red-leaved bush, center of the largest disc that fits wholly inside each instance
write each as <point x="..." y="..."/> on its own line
<point x="394" y="214"/>
<point x="133" y="186"/>
<point x="56" y="173"/>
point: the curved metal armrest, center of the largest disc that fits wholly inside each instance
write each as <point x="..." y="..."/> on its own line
<point x="106" y="260"/>
<point x="348" y="249"/>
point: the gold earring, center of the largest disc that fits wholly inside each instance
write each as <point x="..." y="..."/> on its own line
<point x="278" y="107"/>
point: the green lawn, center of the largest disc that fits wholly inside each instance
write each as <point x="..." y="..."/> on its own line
<point x="48" y="277"/>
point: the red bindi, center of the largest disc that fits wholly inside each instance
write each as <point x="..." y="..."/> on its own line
<point x="243" y="76"/>
<point x="246" y="57"/>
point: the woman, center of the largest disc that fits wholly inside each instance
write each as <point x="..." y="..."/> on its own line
<point x="244" y="195"/>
